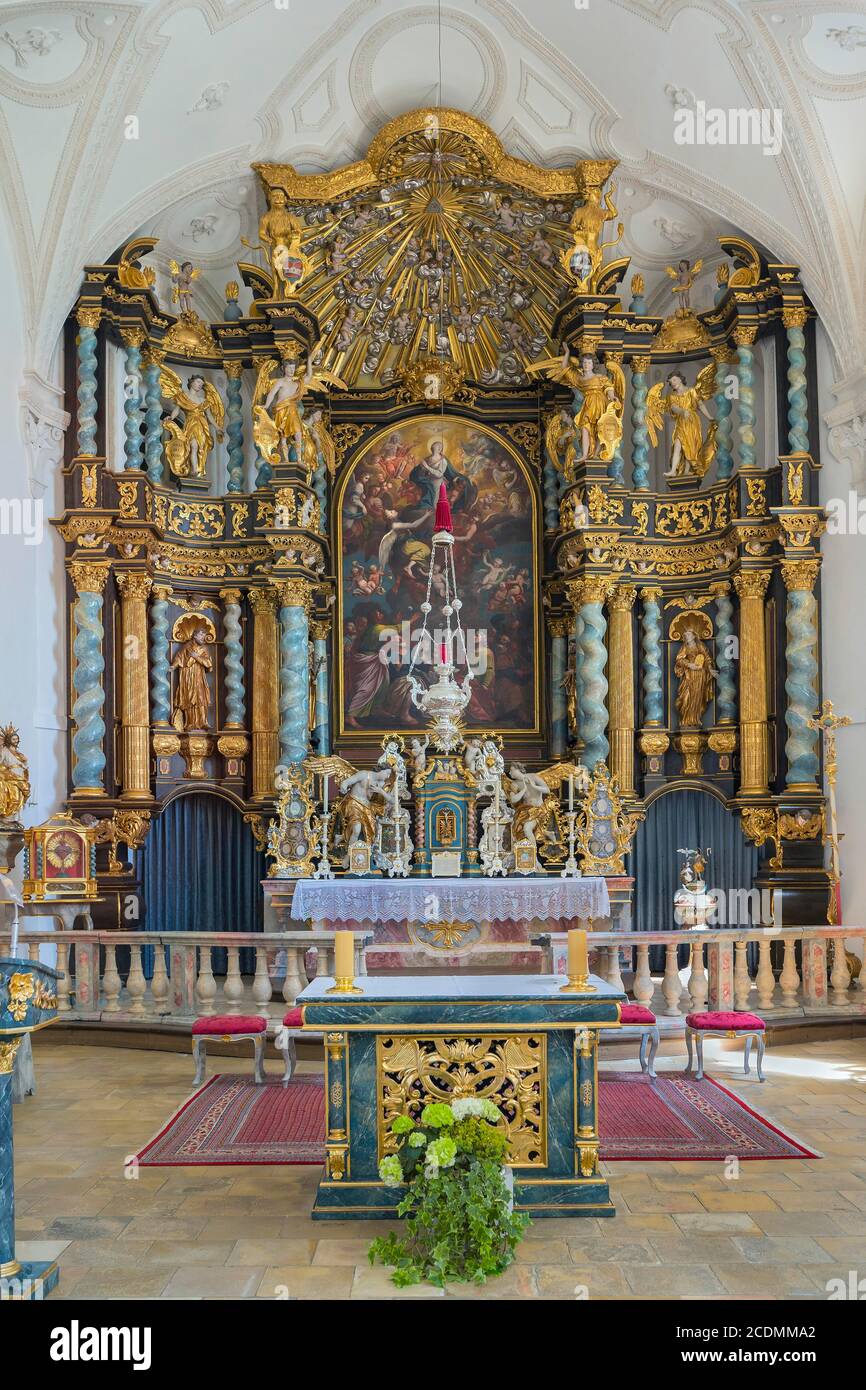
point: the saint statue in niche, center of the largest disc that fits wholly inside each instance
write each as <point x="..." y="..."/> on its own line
<point x="695" y="672"/>
<point x="193" y="660"/>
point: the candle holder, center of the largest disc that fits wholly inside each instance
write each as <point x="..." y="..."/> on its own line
<point x="571" y="868"/>
<point x="324" y="869"/>
<point x="578" y="984"/>
<point x="344" y="984"/>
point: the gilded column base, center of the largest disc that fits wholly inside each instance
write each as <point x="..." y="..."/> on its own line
<point x="265" y="755"/>
<point x="136" y="759"/>
<point x="653" y="743"/>
<point x="691" y="746"/>
<point x="754" y="760"/>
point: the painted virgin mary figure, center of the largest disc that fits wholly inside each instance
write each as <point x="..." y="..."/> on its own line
<point x="695" y="672"/>
<point x="433" y="470"/>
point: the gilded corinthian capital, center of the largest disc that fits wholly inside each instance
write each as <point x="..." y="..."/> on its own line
<point x="89" y="576"/>
<point x="800" y="574"/>
<point x="751" y="583"/>
<point x="133" y="584"/>
<point x="622" y="598"/>
<point x="263" y="601"/>
<point x="295" y="593"/>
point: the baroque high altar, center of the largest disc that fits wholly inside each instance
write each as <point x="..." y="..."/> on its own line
<point x="251" y="563"/>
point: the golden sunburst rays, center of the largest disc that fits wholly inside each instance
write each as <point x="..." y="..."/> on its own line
<point x="445" y="261"/>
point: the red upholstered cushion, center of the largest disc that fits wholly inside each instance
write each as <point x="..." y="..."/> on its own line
<point x="231" y="1023"/>
<point x="724" y="1020"/>
<point x="293" y="1019"/>
<point x="636" y="1013"/>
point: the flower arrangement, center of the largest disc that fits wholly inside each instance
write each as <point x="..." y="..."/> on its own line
<point x="460" y="1218"/>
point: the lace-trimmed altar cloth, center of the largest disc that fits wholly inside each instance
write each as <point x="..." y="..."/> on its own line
<point x="449" y="899"/>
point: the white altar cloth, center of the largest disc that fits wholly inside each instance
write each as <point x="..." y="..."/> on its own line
<point x="449" y="899"/>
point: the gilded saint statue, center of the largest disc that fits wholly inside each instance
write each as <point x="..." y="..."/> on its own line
<point x="691" y="453"/>
<point x="598" y="423"/>
<point x="14" y="776"/>
<point x="582" y="259"/>
<point x="189" y="445"/>
<point x="278" y="423"/>
<point x="695" y="672"/>
<point x="280" y="234"/>
<point x="193" y="661"/>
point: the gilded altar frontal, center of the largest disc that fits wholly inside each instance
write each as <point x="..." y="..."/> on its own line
<point x="431" y="717"/>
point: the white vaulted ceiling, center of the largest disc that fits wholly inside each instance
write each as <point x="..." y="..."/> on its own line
<point x="216" y="84"/>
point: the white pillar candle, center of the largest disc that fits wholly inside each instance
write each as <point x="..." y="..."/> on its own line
<point x="571" y="792"/>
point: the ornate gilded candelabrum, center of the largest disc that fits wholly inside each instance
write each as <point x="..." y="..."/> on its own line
<point x="443" y="702"/>
<point x="571" y="868"/>
<point x="323" y="868"/>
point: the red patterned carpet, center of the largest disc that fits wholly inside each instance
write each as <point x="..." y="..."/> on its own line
<point x="230" y="1120"/>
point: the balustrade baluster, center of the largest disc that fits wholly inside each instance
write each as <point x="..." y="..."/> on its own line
<point x="671" y="985"/>
<point x="159" y="985"/>
<point x="698" y="984"/>
<point x="136" y="984"/>
<point x="111" y="981"/>
<point x="205" y="988"/>
<point x="322" y="970"/>
<point x="613" y="974"/>
<point x="765" y="979"/>
<point x="742" y="979"/>
<point x="262" y="983"/>
<point x="789" y="978"/>
<point x="33" y="951"/>
<point x="63" y="986"/>
<point x="233" y="989"/>
<point x="643" y="986"/>
<point x="296" y="978"/>
<point x="840" y="976"/>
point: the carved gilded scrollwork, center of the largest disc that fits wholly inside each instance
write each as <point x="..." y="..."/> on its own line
<point x="509" y="1070"/>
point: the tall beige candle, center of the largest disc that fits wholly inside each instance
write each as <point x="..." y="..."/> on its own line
<point x="578" y="959"/>
<point x="344" y="955"/>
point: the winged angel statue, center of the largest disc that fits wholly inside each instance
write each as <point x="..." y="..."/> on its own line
<point x="691" y="454"/>
<point x="360" y="803"/>
<point x="189" y="445"/>
<point x="278" y="419"/>
<point x="598" y="422"/>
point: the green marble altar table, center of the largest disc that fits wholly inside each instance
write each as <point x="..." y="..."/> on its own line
<point x="515" y="1039"/>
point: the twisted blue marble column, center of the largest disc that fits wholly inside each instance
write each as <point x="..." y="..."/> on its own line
<point x="651" y="644"/>
<point x="801" y="745"/>
<point x="724" y="433"/>
<point x="160" y="679"/>
<point x="320" y="488"/>
<point x="746" y="398"/>
<point x="89" y="727"/>
<point x="88" y="322"/>
<point x="550" y="495"/>
<point x="133" y="449"/>
<point x="639" y="432"/>
<point x="593" y="685"/>
<point x="235" y="427"/>
<point x="726" y="690"/>
<point x="264" y="472"/>
<point x="234" y="659"/>
<point x="295" y="597"/>
<point x="558" y="701"/>
<point x="153" y="455"/>
<point x="798" y="421"/>
<point x="321" y="721"/>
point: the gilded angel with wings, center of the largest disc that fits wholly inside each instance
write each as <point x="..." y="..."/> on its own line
<point x="599" y="419"/>
<point x="361" y="800"/>
<point x="691" y="453"/>
<point x="278" y="423"/>
<point x="189" y="444"/>
<point x="684" y="275"/>
<point x="534" y="799"/>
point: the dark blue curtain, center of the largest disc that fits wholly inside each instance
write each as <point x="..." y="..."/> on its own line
<point x="685" y="819"/>
<point x="201" y="871"/>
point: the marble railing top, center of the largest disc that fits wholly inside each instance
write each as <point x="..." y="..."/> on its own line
<point x="297" y="936"/>
<point x="680" y="934"/>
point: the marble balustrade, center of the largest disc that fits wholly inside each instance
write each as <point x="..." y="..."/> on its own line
<point x="790" y="973"/>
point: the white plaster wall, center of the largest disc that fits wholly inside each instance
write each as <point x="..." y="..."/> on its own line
<point x="32" y="666"/>
<point x="844" y="657"/>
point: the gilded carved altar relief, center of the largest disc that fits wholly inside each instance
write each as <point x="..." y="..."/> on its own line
<point x="511" y="1071"/>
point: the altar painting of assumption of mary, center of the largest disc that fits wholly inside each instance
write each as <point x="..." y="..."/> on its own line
<point x="386" y="516"/>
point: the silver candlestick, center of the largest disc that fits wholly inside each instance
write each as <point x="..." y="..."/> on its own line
<point x="324" y="869"/>
<point x="570" y="868"/>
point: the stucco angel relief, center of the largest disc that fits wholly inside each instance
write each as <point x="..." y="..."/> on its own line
<point x="189" y="445"/>
<point x="691" y="453"/>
